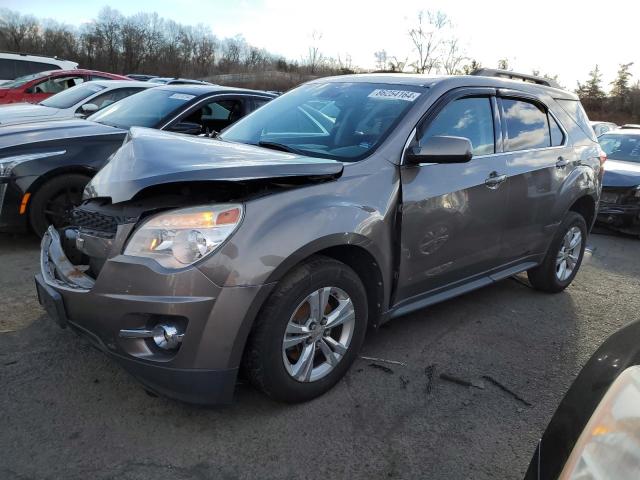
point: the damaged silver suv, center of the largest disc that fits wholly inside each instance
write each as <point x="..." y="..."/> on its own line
<point x="340" y="205"/>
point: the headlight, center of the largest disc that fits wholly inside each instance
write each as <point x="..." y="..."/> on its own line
<point x="181" y="237"/>
<point x="637" y="194"/>
<point x="609" y="446"/>
<point x="8" y="163"/>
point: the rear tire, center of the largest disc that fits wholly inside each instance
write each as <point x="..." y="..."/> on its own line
<point x="53" y="202"/>
<point x="289" y="330"/>
<point x="564" y="257"/>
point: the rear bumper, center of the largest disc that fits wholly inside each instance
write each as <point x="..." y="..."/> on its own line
<point x="129" y="294"/>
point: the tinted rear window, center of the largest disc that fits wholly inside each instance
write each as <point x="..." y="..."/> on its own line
<point x="576" y="112"/>
<point x="527" y="125"/>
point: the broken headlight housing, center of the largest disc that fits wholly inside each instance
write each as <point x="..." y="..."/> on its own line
<point x="178" y="238"/>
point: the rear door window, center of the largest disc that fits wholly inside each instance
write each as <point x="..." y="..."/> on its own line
<point x="470" y="118"/>
<point x="527" y="125"/>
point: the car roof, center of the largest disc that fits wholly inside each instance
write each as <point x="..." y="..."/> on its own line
<point x="430" y="81"/>
<point x="198" y="90"/>
<point x="121" y="83"/>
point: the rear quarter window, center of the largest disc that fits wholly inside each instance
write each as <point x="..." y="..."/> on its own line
<point x="574" y="109"/>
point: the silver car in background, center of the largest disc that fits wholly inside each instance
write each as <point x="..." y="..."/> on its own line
<point x="76" y="102"/>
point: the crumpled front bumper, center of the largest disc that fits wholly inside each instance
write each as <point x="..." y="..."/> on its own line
<point x="623" y="217"/>
<point x="130" y="294"/>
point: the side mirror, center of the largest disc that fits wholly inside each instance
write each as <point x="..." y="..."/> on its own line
<point x="190" y="128"/>
<point x="442" y="149"/>
<point x="89" y="108"/>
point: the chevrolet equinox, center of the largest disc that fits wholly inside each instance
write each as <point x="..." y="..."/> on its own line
<point x="340" y="205"/>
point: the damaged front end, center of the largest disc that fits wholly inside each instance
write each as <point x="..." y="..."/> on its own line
<point x="620" y="209"/>
<point x="125" y="273"/>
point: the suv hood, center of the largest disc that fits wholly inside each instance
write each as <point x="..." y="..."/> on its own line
<point x="29" y="133"/>
<point x="621" y="174"/>
<point x="22" y="112"/>
<point x="151" y="157"/>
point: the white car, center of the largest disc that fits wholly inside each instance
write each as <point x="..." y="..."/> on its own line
<point x="14" y="65"/>
<point x="79" y="101"/>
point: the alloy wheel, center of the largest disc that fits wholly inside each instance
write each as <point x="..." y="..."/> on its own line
<point x="318" y="334"/>
<point x="569" y="254"/>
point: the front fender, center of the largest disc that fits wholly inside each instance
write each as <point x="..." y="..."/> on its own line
<point x="280" y="230"/>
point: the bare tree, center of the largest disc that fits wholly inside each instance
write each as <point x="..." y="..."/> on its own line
<point x="314" y="55"/>
<point x="426" y="37"/>
<point x="453" y="58"/>
<point x="17" y="29"/>
<point x="381" y="59"/>
<point x="396" y="64"/>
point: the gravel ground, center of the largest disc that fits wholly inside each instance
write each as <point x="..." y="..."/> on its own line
<point x="67" y="412"/>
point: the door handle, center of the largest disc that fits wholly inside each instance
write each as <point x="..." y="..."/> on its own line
<point x="494" y="180"/>
<point x="562" y="162"/>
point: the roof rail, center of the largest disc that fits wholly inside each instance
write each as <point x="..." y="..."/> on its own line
<point x="490" y="72"/>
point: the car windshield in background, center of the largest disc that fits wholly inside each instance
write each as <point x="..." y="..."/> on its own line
<point x="68" y="98"/>
<point x="621" y="147"/>
<point x="18" y="82"/>
<point x="144" y="109"/>
<point x="341" y="121"/>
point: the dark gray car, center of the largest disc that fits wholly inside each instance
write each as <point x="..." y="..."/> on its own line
<point x="343" y="204"/>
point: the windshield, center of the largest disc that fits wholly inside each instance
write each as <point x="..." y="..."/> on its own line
<point x="20" y="81"/>
<point x="68" y="98"/>
<point x="144" y="109"/>
<point x="342" y="121"/>
<point x="621" y="147"/>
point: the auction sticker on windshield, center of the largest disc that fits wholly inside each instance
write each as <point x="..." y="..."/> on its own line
<point x="394" y="94"/>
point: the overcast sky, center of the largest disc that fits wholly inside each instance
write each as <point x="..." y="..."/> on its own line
<point x="564" y="37"/>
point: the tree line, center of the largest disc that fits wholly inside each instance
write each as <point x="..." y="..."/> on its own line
<point x="148" y="43"/>
<point x="620" y="105"/>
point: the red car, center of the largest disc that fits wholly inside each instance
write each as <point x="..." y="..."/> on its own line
<point x="36" y="87"/>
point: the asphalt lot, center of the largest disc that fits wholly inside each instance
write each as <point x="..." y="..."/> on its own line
<point x="67" y="412"/>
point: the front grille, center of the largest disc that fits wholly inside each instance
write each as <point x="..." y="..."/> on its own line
<point x="95" y="221"/>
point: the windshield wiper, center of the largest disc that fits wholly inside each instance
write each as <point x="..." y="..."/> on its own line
<point x="280" y="146"/>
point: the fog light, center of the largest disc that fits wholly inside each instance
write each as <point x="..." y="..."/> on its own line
<point x="164" y="335"/>
<point x="167" y="336"/>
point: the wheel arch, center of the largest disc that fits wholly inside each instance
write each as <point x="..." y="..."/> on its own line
<point x="585" y="206"/>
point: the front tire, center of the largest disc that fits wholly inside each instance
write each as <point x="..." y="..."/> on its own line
<point x="53" y="202"/>
<point x="309" y="332"/>
<point x="564" y="257"/>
